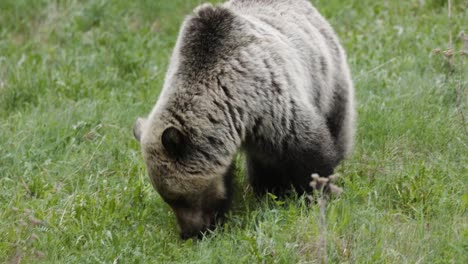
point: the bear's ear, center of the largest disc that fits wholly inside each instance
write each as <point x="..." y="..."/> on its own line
<point x="174" y="141"/>
<point x="138" y="127"/>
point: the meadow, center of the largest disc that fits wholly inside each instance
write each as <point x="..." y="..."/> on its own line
<point x="75" y="75"/>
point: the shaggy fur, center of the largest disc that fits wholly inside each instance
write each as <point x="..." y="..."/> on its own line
<point x="265" y="76"/>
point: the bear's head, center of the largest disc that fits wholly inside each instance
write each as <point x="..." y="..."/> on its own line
<point x="190" y="139"/>
<point x="189" y="158"/>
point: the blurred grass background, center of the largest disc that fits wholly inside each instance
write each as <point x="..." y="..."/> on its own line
<point x="74" y="75"/>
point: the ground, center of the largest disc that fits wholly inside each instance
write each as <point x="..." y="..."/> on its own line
<point x="75" y="75"/>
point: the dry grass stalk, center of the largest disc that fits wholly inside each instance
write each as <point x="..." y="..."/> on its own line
<point x="323" y="187"/>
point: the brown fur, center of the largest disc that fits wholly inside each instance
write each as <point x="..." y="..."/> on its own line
<point x="268" y="77"/>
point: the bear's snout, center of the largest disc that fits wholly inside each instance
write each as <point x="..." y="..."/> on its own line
<point x="192" y="222"/>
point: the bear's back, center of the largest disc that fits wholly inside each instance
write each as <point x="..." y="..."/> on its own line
<point x="313" y="47"/>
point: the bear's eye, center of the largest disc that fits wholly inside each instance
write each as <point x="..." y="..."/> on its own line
<point x="174" y="141"/>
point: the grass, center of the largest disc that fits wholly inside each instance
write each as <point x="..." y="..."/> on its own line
<point x="74" y="75"/>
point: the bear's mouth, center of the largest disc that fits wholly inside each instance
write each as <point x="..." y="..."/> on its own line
<point x="198" y="235"/>
<point x="196" y="224"/>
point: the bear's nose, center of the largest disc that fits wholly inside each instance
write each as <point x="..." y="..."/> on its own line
<point x="196" y="231"/>
<point x="199" y="235"/>
<point x="185" y="235"/>
<point x="191" y="222"/>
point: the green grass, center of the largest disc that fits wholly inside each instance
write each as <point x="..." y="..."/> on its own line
<point x="74" y="75"/>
